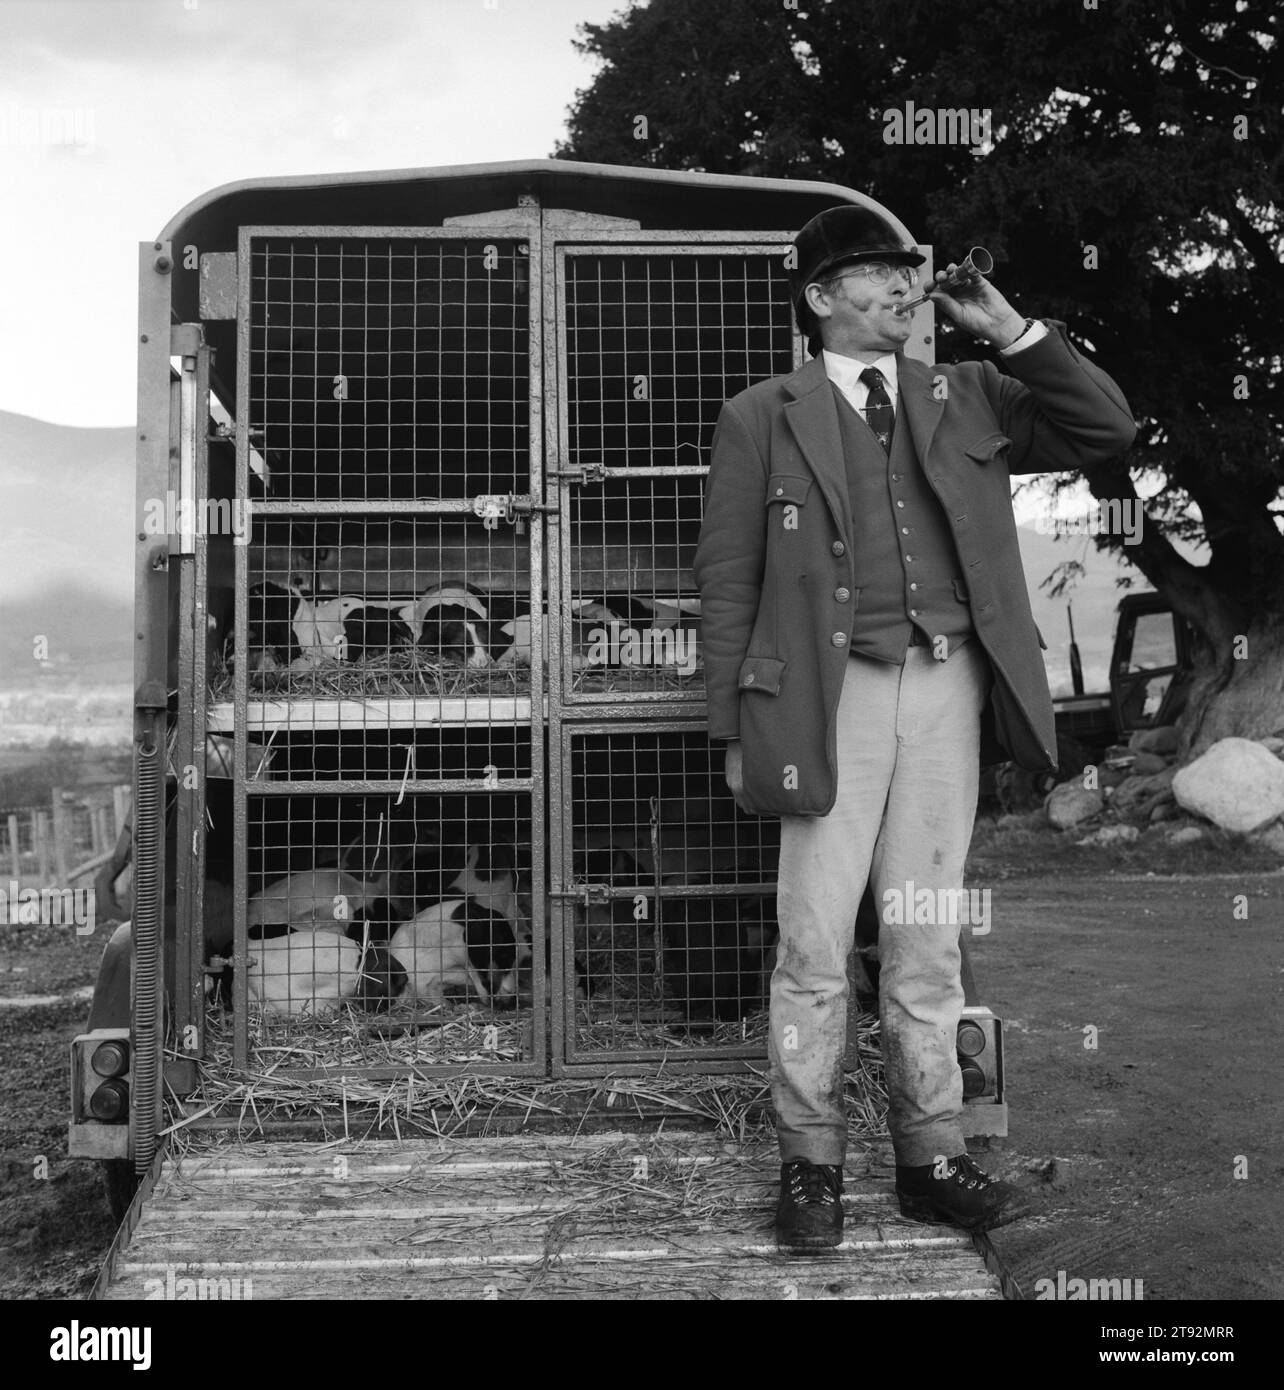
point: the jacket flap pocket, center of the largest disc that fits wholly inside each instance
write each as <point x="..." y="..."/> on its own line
<point x="762" y="673"/>
<point x="985" y="449"/>
<point x="787" y="487"/>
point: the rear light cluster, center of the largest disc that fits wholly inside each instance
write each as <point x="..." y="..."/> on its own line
<point x="110" y="1101"/>
<point x="971" y="1043"/>
<point x="100" y="1081"/>
<point x="980" y="1055"/>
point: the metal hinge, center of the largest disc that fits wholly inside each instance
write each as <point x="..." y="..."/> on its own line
<point x="151" y="697"/>
<point x="581" y="474"/>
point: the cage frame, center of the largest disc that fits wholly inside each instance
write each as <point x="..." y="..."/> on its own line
<point x="549" y="202"/>
<point x="451" y="711"/>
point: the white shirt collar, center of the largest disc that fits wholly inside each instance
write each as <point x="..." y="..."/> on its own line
<point x="845" y="372"/>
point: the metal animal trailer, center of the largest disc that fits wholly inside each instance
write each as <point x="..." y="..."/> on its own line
<point x="422" y="772"/>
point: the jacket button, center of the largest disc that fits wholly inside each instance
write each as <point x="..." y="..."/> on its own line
<point x="899" y="503"/>
<point x="913" y="586"/>
<point x="913" y="612"/>
<point x="750" y="678"/>
<point x="839" y="639"/>
<point x="842" y="595"/>
<point x="838" y="548"/>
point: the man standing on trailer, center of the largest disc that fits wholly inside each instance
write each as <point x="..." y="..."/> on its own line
<point x="864" y="614"/>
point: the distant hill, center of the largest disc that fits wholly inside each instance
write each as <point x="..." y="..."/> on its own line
<point x="66" y="562"/>
<point x="88" y="632"/>
<point x="68" y="508"/>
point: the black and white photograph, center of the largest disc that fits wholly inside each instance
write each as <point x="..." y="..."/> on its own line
<point x="642" y="659"/>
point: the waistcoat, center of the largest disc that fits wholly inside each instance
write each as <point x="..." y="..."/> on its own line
<point x="907" y="571"/>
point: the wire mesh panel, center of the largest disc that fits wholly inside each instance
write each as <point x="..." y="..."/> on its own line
<point x="654" y="342"/>
<point x="666" y="898"/>
<point x="390" y="931"/>
<point x="388" y="834"/>
<point x="381" y="666"/>
<point x="390" y="366"/>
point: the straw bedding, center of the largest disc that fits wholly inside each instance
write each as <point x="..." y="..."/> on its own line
<point x="408" y="673"/>
<point x="335" y="1054"/>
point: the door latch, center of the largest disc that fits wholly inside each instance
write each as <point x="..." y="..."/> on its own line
<point x="511" y="508"/>
<point x="581" y="474"/>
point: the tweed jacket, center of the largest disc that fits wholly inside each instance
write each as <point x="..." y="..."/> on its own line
<point x="773" y="665"/>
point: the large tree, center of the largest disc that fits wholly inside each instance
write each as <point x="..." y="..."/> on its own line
<point x="1130" y="187"/>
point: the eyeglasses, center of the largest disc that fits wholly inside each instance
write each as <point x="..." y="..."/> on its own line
<point x="879" y="273"/>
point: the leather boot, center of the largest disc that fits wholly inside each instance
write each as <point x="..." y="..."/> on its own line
<point x="964" y="1196"/>
<point x="810" y="1213"/>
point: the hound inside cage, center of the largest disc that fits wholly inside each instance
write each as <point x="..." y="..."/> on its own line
<point x="634" y="614"/>
<point x="372" y="920"/>
<point x="397" y="607"/>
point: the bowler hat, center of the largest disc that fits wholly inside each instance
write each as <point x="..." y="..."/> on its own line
<point x="837" y="236"/>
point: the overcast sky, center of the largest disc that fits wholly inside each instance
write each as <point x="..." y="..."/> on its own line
<point x="168" y="98"/>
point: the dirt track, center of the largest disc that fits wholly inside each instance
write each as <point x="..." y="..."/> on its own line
<point x="1134" y="1145"/>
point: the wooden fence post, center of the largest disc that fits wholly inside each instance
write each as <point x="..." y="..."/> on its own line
<point x="103" y="839"/>
<point x="61" y="835"/>
<point x="41" y="836"/>
<point x="15" y="848"/>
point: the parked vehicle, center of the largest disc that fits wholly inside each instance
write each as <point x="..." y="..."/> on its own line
<point x="1151" y="668"/>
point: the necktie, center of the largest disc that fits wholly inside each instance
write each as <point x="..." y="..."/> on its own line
<point x="879" y="415"/>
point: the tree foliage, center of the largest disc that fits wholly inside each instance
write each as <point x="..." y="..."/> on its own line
<point x="1131" y="188"/>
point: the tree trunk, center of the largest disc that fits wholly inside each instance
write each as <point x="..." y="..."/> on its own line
<point x="1237" y="697"/>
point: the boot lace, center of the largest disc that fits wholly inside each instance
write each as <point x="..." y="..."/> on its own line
<point x="809" y="1182"/>
<point x="965" y="1174"/>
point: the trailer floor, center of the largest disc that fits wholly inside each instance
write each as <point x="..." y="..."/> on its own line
<point x="678" y="1214"/>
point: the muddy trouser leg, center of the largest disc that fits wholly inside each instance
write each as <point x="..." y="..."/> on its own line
<point x="931" y="808"/>
<point x="824" y="864"/>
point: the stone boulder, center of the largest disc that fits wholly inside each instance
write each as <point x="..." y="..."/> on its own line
<point x="1272" y="838"/>
<point x="1144" y="764"/>
<point x="1187" y="835"/>
<point x="1140" y="795"/>
<point x="1273" y="745"/>
<point x="1070" y="804"/>
<point x="1237" y="784"/>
